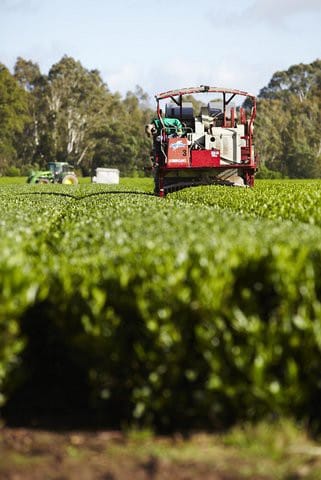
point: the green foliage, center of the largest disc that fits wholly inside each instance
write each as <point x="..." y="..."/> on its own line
<point x="298" y="80"/>
<point x="12" y="172"/>
<point x="195" y="310"/>
<point x="13" y="115"/>
<point x="70" y="115"/>
<point x="266" y="173"/>
<point x="288" y="123"/>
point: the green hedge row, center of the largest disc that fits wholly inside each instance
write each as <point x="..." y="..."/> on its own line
<point x="295" y="200"/>
<point x="170" y="313"/>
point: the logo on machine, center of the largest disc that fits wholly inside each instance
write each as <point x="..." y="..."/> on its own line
<point x="215" y="153"/>
<point x="178" y="144"/>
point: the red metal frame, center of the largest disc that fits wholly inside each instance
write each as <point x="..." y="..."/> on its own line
<point x="202" y="160"/>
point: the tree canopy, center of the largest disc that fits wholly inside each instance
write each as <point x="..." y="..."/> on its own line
<point x="288" y="123"/>
<point x="69" y="115"/>
<point x="13" y="115"/>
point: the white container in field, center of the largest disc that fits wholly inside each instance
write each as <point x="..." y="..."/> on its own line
<point x="106" y="175"/>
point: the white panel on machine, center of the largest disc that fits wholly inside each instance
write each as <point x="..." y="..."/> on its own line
<point x="228" y="141"/>
<point x="196" y="139"/>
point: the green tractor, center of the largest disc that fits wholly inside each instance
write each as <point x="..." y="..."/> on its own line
<point x="58" y="172"/>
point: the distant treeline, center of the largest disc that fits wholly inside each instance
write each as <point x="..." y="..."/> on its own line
<point x="71" y="115"/>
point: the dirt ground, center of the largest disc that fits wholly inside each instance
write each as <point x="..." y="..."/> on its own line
<point x="43" y="455"/>
<point x="27" y="454"/>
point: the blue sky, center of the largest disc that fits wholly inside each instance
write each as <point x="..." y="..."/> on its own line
<point x="165" y="44"/>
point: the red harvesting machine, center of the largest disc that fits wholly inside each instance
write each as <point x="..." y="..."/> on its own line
<point x="211" y="146"/>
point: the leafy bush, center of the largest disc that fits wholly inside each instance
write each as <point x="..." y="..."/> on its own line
<point x="188" y="311"/>
<point x="266" y="173"/>
<point x="12" y="172"/>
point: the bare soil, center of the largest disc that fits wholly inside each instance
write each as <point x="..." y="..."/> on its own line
<point x="27" y="454"/>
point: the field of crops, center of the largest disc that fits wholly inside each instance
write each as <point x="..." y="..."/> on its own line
<point x="197" y="310"/>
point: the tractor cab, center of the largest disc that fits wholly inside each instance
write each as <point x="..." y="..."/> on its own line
<point x="58" y="168"/>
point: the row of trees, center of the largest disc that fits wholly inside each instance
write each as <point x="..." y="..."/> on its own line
<point x="71" y="115"/>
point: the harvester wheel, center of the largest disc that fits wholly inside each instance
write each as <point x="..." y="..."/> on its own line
<point x="43" y="180"/>
<point x="70" y="179"/>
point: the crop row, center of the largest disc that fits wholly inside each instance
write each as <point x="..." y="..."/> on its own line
<point x="295" y="200"/>
<point x="168" y="312"/>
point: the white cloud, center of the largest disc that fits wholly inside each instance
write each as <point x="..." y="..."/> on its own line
<point x="278" y="11"/>
<point x="253" y="14"/>
<point x="123" y="79"/>
<point x="18" y="5"/>
<point x="229" y="73"/>
<point x="180" y="72"/>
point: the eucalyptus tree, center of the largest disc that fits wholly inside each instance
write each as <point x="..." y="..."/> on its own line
<point x="298" y="80"/>
<point x="121" y="141"/>
<point x="288" y="124"/>
<point x="31" y="79"/>
<point x="13" y="116"/>
<point x="270" y="123"/>
<point x="78" y="104"/>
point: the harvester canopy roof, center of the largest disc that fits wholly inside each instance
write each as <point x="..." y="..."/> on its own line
<point x="201" y="89"/>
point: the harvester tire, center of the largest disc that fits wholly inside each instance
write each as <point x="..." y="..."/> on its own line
<point x="42" y="180"/>
<point x="70" y="179"/>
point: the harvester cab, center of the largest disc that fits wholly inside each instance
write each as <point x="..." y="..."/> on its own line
<point x="211" y="146"/>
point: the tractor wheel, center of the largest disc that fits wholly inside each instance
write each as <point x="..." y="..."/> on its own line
<point x="70" y="179"/>
<point x="42" y="180"/>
